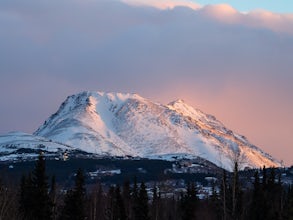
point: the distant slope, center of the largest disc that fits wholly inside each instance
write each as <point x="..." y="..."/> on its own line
<point x="127" y="124"/>
<point x="22" y="146"/>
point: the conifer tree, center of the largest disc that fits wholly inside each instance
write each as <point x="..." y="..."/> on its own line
<point x="53" y="198"/>
<point x="24" y="206"/>
<point x="224" y="196"/>
<point x="257" y="198"/>
<point x="135" y="190"/>
<point x="110" y="203"/>
<point x="142" y="210"/>
<point x="215" y="202"/>
<point x="274" y="194"/>
<point x="155" y="204"/>
<point x="35" y="202"/>
<point x="288" y="209"/>
<point x="189" y="203"/>
<point x="119" y="208"/>
<point x="135" y="200"/>
<point x="42" y="201"/>
<point x="126" y="195"/>
<point x="97" y="203"/>
<point x="74" y="202"/>
<point x="236" y="194"/>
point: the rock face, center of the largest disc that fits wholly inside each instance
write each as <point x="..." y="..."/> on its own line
<point x="115" y="124"/>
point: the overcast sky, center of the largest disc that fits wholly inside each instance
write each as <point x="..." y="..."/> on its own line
<point x="236" y="66"/>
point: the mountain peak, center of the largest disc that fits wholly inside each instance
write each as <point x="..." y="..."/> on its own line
<point x="110" y="96"/>
<point x="183" y="108"/>
<point x="120" y="124"/>
<point x="177" y="101"/>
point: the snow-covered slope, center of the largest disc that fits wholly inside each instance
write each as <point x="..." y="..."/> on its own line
<point x="126" y="124"/>
<point x="18" y="145"/>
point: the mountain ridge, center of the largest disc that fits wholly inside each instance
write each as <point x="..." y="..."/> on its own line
<point x="127" y="125"/>
<point x="120" y="124"/>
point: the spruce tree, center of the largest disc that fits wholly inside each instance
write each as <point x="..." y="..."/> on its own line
<point x="43" y="203"/>
<point x="35" y="202"/>
<point x="24" y="208"/>
<point x="155" y="204"/>
<point x="189" y="203"/>
<point x="142" y="210"/>
<point x="274" y="196"/>
<point x="257" y="198"/>
<point x="126" y="195"/>
<point x="288" y="209"/>
<point x="236" y="194"/>
<point x="97" y="203"/>
<point x="74" y="202"/>
<point x="135" y="201"/>
<point x="215" y="202"/>
<point x="110" y="203"/>
<point x="119" y="208"/>
<point x="53" y="196"/>
<point x="224" y="196"/>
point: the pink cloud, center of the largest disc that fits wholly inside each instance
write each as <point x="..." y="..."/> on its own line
<point x="163" y="4"/>
<point x="273" y="21"/>
<point x="276" y="22"/>
<point x="227" y="14"/>
<point x="221" y="12"/>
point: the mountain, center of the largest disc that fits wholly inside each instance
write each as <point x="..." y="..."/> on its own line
<point x="22" y="146"/>
<point x="115" y="124"/>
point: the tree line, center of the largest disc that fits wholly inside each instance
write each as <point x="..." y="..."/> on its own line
<point x="39" y="198"/>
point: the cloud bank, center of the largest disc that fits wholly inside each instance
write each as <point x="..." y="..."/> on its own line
<point x="163" y="4"/>
<point x="236" y="66"/>
<point x="223" y="12"/>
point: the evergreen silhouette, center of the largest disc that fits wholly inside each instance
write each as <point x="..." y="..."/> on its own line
<point x="189" y="203"/>
<point x="135" y="201"/>
<point x="119" y="208"/>
<point x="288" y="209"/>
<point x="110" y="203"/>
<point x="142" y="209"/>
<point x="74" y="202"/>
<point x="115" y="208"/>
<point x="257" y="199"/>
<point x="126" y="196"/>
<point x="225" y="196"/>
<point x="155" y="204"/>
<point x="236" y="194"/>
<point x="25" y="201"/>
<point x="53" y="198"/>
<point x="215" y="202"/>
<point x="35" y="202"/>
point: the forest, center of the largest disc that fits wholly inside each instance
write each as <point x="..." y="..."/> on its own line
<point x="38" y="197"/>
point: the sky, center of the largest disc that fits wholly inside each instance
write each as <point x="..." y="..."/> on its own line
<point x="283" y="6"/>
<point x="228" y="61"/>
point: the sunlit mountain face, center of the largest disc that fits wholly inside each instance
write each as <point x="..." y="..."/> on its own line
<point x="129" y="125"/>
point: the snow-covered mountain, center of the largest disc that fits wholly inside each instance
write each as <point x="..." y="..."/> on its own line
<point x="22" y="146"/>
<point x="118" y="124"/>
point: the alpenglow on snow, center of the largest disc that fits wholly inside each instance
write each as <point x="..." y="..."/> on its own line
<point x="115" y="124"/>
